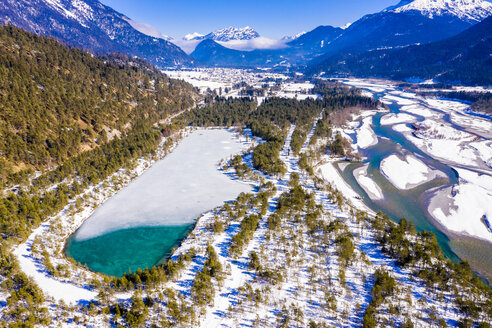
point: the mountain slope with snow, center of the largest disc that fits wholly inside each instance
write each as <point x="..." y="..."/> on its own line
<point x="408" y="23"/>
<point x="90" y="25"/>
<point x="463" y="58"/>
<point x="470" y="10"/>
<point x="317" y="39"/>
<point x="226" y="34"/>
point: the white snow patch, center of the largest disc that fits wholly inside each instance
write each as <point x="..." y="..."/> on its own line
<point x="398" y="100"/>
<point x="366" y="183"/>
<point x="407" y="173"/>
<point x="365" y="134"/>
<point x="465" y="208"/>
<point x="393" y="118"/>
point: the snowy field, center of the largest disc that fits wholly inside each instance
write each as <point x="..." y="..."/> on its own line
<point x="175" y="190"/>
<point x="408" y="172"/>
<point x="221" y="78"/>
<point x="466" y="208"/>
<point x="391" y="118"/>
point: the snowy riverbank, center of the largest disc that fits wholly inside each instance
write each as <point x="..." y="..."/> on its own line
<point x="408" y="172"/>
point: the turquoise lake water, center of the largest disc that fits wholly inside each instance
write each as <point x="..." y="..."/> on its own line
<point x="127" y="250"/>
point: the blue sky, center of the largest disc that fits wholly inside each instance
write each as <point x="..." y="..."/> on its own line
<point x="271" y="18"/>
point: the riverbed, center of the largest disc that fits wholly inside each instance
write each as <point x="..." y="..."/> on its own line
<point x="436" y="139"/>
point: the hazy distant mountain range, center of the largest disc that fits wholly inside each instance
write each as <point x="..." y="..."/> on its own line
<point x="464" y="58"/>
<point x="408" y="23"/>
<point x="245" y="39"/>
<point x="93" y="26"/>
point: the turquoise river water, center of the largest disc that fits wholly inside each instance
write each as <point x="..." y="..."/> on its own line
<point x="412" y="204"/>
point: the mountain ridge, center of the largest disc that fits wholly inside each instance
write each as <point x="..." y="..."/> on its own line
<point x="90" y="25"/>
<point x="225" y="34"/>
<point x="464" y="58"/>
<point x="472" y="10"/>
<point x="407" y="23"/>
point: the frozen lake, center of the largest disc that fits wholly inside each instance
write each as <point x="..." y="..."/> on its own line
<point x="175" y="190"/>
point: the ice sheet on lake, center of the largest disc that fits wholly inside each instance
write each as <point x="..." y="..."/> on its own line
<point x="173" y="191"/>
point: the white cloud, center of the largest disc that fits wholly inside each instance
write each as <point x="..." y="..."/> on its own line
<point x="147" y="29"/>
<point x="261" y="42"/>
<point x="256" y="43"/>
<point x="188" y="46"/>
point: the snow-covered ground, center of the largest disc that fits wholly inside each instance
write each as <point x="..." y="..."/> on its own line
<point x="467" y="207"/>
<point x="391" y="118"/>
<point x="442" y="141"/>
<point x="464" y="208"/>
<point x="408" y="172"/>
<point x="58" y="290"/>
<point x="365" y="134"/>
<point x="369" y="186"/>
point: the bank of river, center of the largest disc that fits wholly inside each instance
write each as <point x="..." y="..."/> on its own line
<point x="143" y="222"/>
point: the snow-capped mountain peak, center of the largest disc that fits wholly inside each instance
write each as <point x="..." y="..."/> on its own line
<point x="469" y="10"/>
<point x="346" y="26"/>
<point x="225" y="35"/>
<point x="233" y="33"/>
<point x="193" y="36"/>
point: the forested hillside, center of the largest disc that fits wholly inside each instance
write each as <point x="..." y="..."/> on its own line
<point x="57" y="102"/>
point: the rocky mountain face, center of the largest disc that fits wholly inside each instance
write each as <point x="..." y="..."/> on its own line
<point x="90" y="25"/>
